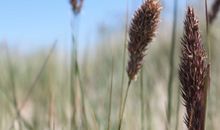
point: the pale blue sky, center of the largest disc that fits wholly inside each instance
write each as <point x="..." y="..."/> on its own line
<point x="36" y="23"/>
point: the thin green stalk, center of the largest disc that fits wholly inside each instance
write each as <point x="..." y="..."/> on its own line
<point x="123" y="105"/>
<point x="177" y="110"/>
<point x="124" y="59"/>
<point x="72" y="88"/>
<point x="209" y="53"/>
<point x="73" y="74"/>
<point x="51" y="106"/>
<point x="142" y="96"/>
<point x="110" y="96"/>
<point x="149" y="120"/>
<point x="207" y="17"/>
<point x="207" y="31"/>
<point x="95" y="119"/>
<point x="172" y="54"/>
<point x="142" y="99"/>
<point x="85" y="122"/>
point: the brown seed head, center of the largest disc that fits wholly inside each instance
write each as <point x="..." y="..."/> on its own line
<point x="142" y="30"/>
<point x="214" y="12"/>
<point x="76" y="5"/>
<point x="193" y="73"/>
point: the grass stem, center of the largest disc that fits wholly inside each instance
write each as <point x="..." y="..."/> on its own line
<point x="142" y="98"/>
<point x="124" y="58"/>
<point x="123" y="105"/>
<point x="110" y="96"/>
<point x="207" y="31"/>
<point x="177" y="110"/>
<point x="172" y="54"/>
<point x="84" y="116"/>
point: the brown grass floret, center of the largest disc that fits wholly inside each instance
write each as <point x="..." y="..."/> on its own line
<point x="193" y="73"/>
<point x="141" y="33"/>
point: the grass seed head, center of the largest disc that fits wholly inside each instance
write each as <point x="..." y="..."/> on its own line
<point x="142" y="30"/>
<point x="76" y="5"/>
<point x="193" y="73"/>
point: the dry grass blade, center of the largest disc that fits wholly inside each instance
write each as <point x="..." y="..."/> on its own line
<point x="193" y="73"/>
<point x="76" y="5"/>
<point x="141" y="33"/>
<point x="214" y="11"/>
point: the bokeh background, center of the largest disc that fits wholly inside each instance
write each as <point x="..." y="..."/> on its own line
<point x="36" y="53"/>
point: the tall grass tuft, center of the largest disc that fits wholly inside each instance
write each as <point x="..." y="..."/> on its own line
<point x="142" y="30"/>
<point x="214" y="11"/>
<point x="193" y="73"/>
